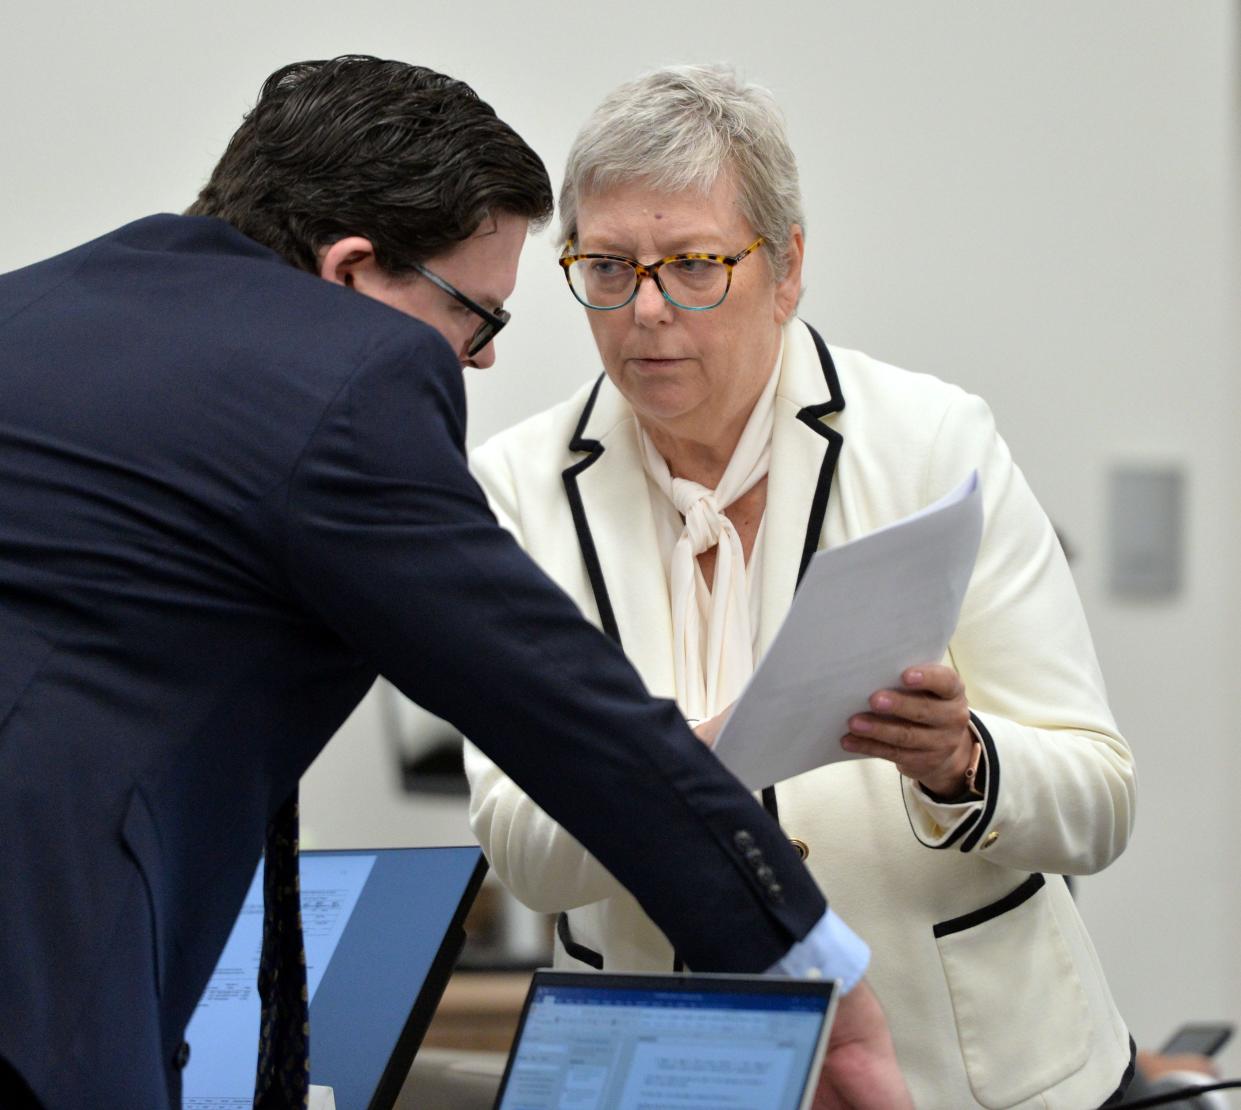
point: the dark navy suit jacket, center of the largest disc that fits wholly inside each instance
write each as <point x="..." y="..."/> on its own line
<point x="232" y="493"/>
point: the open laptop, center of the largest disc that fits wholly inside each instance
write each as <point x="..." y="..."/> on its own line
<point x="599" y="1041"/>
<point x="382" y="929"/>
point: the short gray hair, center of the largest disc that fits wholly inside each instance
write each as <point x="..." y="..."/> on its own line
<point x="678" y="128"/>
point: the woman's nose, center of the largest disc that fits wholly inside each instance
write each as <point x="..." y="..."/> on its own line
<point x="650" y="305"/>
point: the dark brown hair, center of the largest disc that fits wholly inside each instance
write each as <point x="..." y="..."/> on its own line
<point x="407" y="157"/>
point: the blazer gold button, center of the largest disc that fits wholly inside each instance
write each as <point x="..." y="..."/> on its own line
<point x="800" y="847"/>
<point x="988" y="840"/>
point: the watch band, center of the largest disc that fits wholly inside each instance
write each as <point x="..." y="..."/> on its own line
<point x="971" y="772"/>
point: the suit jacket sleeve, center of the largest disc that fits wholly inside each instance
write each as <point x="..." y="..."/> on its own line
<point x="389" y="541"/>
<point x="1060" y="789"/>
<point x="544" y="866"/>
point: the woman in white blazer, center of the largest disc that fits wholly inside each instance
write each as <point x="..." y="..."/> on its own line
<point x="678" y="499"/>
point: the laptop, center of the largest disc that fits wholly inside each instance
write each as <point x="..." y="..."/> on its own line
<point x="600" y="1041"/>
<point x="382" y="930"/>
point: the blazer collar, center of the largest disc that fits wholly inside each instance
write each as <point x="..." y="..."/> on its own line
<point x="805" y="448"/>
<point x="615" y="527"/>
<point x="607" y="492"/>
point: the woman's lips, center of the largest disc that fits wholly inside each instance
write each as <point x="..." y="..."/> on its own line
<point x="654" y="365"/>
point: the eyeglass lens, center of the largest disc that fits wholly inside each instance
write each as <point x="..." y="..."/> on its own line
<point x="481" y="338"/>
<point x="487" y="331"/>
<point x="687" y="282"/>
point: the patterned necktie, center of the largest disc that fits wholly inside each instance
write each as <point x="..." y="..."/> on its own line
<point x="283" y="1078"/>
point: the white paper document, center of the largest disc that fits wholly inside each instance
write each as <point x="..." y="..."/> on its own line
<point x="863" y="613"/>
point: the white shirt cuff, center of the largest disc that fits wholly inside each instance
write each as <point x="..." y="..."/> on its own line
<point x="831" y="950"/>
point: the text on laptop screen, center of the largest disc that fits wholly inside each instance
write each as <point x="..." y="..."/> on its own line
<point x="590" y="1047"/>
<point x="381" y="929"/>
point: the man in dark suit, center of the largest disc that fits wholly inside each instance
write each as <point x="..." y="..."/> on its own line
<point x="231" y="493"/>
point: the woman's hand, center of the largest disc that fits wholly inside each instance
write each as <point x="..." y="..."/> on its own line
<point x="923" y="728"/>
<point x="709" y="731"/>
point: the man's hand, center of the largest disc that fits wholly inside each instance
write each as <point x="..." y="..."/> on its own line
<point x="923" y="728"/>
<point x="860" y="1071"/>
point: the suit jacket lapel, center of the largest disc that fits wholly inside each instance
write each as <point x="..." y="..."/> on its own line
<point x="611" y="508"/>
<point x="804" y="452"/>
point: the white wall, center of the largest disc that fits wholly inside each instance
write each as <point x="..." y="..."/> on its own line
<point x="1036" y="200"/>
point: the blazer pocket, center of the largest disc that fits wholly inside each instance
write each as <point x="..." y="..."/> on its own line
<point x="23" y="654"/>
<point x="1023" y="1023"/>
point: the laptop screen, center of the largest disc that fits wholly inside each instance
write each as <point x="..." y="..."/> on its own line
<point x="382" y="929"/>
<point x="667" y="1042"/>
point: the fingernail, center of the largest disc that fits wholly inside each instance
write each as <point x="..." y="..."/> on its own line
<point x="861" y="724"/>
<point x="912" y="678"/>
<point x="847" y="744"/>
<point x="883" y="701"/>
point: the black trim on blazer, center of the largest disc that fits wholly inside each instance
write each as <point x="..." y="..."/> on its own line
<point x="589" y="955"/>
<point x="957" y="833"/>
<point x="1117" y="1095"/>
<point x="977" y="821"/>
<point x="577" y="951"/>
<point x="1010" y="901"/>
<point x="811" y="416"/>
<point x="993" y="785"/>
<point x="607" y="615"/>
<point x="590" y="556"/>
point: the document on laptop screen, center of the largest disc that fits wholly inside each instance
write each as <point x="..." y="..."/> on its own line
<point x="640" y="1049"/>
<point x="224" y="1030"/>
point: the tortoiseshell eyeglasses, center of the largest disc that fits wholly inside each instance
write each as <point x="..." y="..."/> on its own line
<point x="694" y="280"/>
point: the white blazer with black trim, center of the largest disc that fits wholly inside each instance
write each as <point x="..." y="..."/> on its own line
<point x="992" y="989"/>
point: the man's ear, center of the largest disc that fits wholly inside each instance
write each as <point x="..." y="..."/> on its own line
<point x="349" y="261"/>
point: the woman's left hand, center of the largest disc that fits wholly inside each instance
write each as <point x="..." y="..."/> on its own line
<point x="923" y="728"/>
<point x="709" y="731"/>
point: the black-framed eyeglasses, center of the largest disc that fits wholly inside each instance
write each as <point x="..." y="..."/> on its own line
<point x="695" y="281"/>
<point x="492" y="322"/>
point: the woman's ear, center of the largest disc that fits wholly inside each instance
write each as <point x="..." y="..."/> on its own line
<point x="788" y="288"/>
